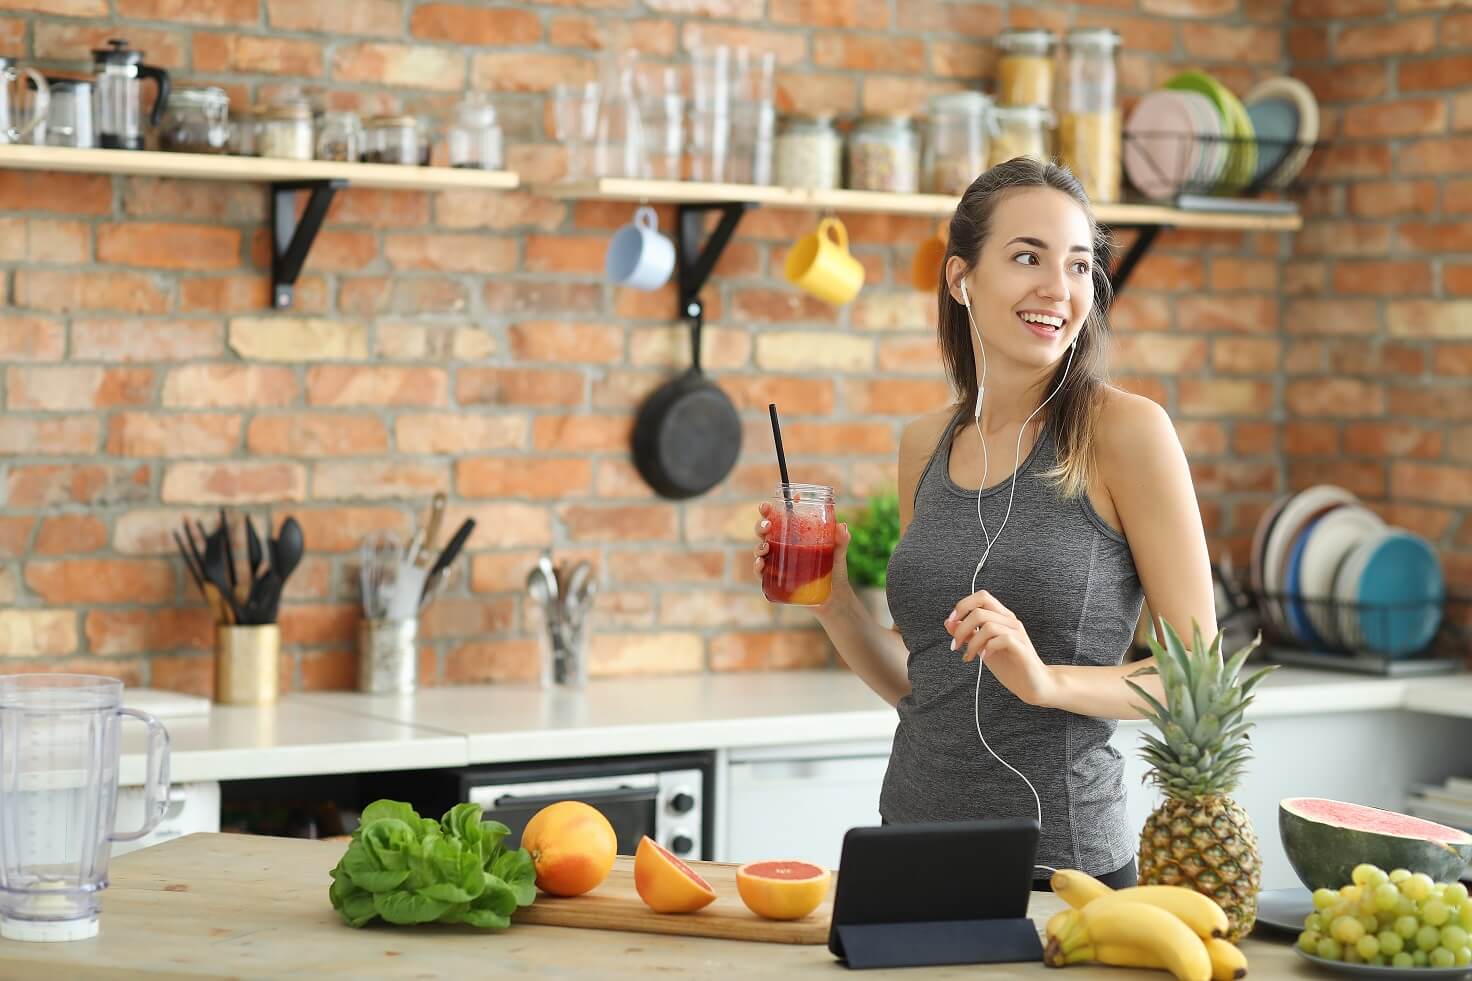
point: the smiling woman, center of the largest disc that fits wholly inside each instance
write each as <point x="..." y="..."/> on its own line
<point x="1006" y="662"/>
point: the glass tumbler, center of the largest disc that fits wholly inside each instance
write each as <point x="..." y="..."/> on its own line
<point x="801" y="539"/>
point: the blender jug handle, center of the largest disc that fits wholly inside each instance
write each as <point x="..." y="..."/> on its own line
<point x="161" y="78"/>
<point x="156" y="776"/>
<point x="39" y="105"/>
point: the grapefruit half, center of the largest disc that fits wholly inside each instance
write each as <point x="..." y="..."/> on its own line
<point x="783" y="890"/>
<point x="666" y="884"/>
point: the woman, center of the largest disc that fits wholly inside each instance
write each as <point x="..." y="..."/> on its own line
<point x="1006" y="661"/>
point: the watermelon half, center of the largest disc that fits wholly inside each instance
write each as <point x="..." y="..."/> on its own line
<point x="1326" y="839"/>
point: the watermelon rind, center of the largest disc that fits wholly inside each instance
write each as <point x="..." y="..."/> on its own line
<point x="1324" y="854"/>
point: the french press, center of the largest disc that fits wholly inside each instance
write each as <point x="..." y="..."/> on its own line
<point x="119" y="70"/>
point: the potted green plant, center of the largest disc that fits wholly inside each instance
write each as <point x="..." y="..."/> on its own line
<point x="874" y="531"/>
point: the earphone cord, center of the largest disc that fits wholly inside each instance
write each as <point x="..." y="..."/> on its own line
<point x="992" y="539"/>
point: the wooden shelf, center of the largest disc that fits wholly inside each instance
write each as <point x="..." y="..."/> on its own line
<point x="925" y="205"/>
<point x="261" y="170"/>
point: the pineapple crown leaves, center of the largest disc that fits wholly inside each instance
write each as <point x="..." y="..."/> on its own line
<point x="1203" y="741"/>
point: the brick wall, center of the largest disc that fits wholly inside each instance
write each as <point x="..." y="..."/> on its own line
<point x="467" y="342"/>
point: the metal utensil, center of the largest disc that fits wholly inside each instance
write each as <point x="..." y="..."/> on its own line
<point x="443" y="561"/>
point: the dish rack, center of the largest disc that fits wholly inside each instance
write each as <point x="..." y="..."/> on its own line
<point x="1192" y="190"/>
<point x="1356" y="642"/>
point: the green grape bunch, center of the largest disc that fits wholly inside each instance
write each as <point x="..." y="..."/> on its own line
<point x="1397" y="919"/>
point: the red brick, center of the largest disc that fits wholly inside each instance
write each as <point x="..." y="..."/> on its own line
<point x="891" y="94"/>
<point x="563" y="254"/>
<point x="204" y="386"/>
<point x="1239" y="314"/>
<point x="551" y="340"/>
<point x="61" y="8"/>
<point x="50" y="436"/>
<point x="1447" y="156"/>
<point x="795" y="396"/>
<point x="111" y="632"/>
<point x="66" y="291"/>
<point x="1448" y="72"/>
<point x="15" y="536"/>
<point x="168" y="246"/>
<point x="1383" y="199"/>
<point x="137" y="340"/>
<point x="1224" y="397"/>
<point x="1448" y="319"/>
<point x="1346" y="82"/>
<point x="1190" y="8"/>
<point x="837" y="438"/>
<point x="376" y="479"/>
<point x="1139" y="311"/>
<point x="411" y="66"/>
<point x="254" y="54"/>
<point x="373" y="296"/>
<point x="1456" y="197"/>
<point x="1388" y="439"/>
<point x="519" y="386"/>
<point x="381" y="17"/>
<point x="525" y="71"/>
<point x="196" y="11"/>
<point x="25" y="190"/>
<point x="1338" y="9"/>
<point x="604" y="523"/>
<point x="1423" y="401"/>
<point x="1147" y="354"/>
<point x="51" y="485"/>
<point x="1202" y="438"/>
<point x="471" y="26"/>
<point x="466" y="617"/>
<point x="1310" y="438"/>
<point x="315" y="434"/>
<point x="330" y="670"/>
<point x="1454" y="236"/>
<point x="854" y="52"/>
<point x="582" y="433"/>
<point x="75" y="581"/>
<point x="505" y="571"/>
<point x="769" y="306"/>
<point x="247" y="294"/>
<point x="1376" y="40"/>
<point x="372" y="385"/>
<point x="1457" y="278"/>
<point x="1335" y="238"/>
<point x="1336" y="397"/>
<point x="1232" y="273"/>
<point x="664" y="566"/>
<point x="892" y="396"/>
<point x="451" y="253"/>
<point x="656" y="36"/>
<point x="1169" y="272"/>
<point x="1254" y="438"/>
<point x="56" y="389"/>
<point x="909" y="355"/>
<point x="41" y="240"/>
<point x="1363" y="478"/>
<point x="1406" y="117"/>
<point x="868" y="14"/>
<point x="1220" y="42"/>
<point x="1381" y="278"/>
<point x="340" y="529"/>
<point x="1426" y="482"/>
<point x="545" y="479"/>
<point x="25" y="338"/>
<point x="493" y="660"/>
<point x="799" y="92"/>
<point x="1246" y="355"/>
<point x="233" y="483"/>
<point x="1308" y="43"/>
<point x="70" y="534"/>
<point x="661" y="347"/>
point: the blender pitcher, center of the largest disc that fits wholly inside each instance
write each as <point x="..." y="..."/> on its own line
<point x="119" y="72"/>
<point x="17" y="121"/>
<point x="58" y="797"/>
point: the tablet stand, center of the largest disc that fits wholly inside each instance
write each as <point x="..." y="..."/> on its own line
<point x="985" y="941"/>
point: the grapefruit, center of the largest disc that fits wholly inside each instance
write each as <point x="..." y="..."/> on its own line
<point x="782" y="890"/>
<point x="666" y="884"/>
<point x="572" y="847"/>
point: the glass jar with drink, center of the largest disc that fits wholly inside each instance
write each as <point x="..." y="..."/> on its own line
<point x="801" y="539"/>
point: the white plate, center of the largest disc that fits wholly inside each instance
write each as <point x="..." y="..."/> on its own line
<point x="1308" y="119"/>
<point x="1336" y="533"/>
<point x="1347" y="588"/>
<point x="1161" y="148"/>
<point x="1212" y="155"/>
<point x="1265" y="526"/>
<point x="1304" y="507"/>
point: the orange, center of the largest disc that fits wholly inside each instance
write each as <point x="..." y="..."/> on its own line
<point x="572" y="846"/>
<point x="813" y="593"/>
<point x="666" y="884"/>
<point x="782" y="890"/>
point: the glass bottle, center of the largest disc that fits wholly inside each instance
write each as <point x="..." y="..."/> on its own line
<point x="1089" y="124"/>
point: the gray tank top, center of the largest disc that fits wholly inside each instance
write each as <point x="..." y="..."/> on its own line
<point x="1071" y="580"/>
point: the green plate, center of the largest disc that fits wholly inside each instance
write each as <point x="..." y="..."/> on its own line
<point x="1242" y="151"/>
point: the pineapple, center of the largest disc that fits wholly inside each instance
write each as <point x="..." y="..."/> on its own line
<point x="1199" y="837"/>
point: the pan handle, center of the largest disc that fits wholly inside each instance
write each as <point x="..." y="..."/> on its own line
<point x="695" y="325"/>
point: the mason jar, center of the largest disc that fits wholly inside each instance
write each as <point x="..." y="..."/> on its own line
<point x="395" y="140"/>
<point x="809" y="153"/>
<point x="1089" y="123"/>
<point x="801" y="539"/>
<point x="196" y="120"/>
<point x="884" y="155"/>
<point x="286" y="131"/>
<point x="1025" y="67"/>
<point x="1020" y="131"/>
<point x="956" y="141"/>
<point x="340" y="137"/>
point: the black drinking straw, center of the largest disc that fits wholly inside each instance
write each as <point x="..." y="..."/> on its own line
<point x="781" y="457"/>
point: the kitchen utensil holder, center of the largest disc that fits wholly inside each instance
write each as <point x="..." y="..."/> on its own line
<point x="564" y="662"/>
<point x="247" y="664"/>
<point x="388" y="656"/>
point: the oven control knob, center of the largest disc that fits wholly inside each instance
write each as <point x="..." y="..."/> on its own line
<point x="682" y="802"/>
<point x="682" y="844"/>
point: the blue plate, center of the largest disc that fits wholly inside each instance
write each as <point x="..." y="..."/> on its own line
<point x="1273" y="120"/>
<point x="1293" y="606"/>
<point x="1401" y="592"/>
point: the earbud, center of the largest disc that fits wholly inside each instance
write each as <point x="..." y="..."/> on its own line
<point x="965" y="299"/>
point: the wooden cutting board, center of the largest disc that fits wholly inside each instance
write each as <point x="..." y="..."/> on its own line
<point x="615" y="905"/>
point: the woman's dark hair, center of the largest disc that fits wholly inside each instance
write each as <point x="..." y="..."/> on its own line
<point x="1071" y="418"/>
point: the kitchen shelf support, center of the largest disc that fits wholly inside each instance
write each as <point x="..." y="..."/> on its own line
<point x="1137" y="251"/>
<point x="694" y="261"/>
<point x="292" y="238"/>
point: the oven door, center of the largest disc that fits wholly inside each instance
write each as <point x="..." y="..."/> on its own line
<point x="630" y="802"/>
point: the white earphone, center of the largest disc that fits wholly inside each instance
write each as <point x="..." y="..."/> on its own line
<point x="992" y="539"/>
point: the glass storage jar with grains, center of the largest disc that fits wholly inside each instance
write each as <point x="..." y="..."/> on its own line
<point x="956" y="141"/>
<point x="474" y="139"/>
<point x="884" y="155"/>
<point x="1025" y="67"/>
<point x="395" y="140"/>
<point x="809" y="153"/>
<point x="1019" y="131"/>
<point x="196" y="120"/>
<point x="1089" y="126"/>
<point x="285" y="131"/>
<point x="340" y="137"/>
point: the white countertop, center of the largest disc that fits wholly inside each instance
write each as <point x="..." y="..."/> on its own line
<point x="345" y="732"/>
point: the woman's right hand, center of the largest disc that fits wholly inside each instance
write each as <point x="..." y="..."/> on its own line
<point x="840" y="555"/>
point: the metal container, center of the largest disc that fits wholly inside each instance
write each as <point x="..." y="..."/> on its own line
<point x="247" y="664"/>
<point x="388" y="656"/>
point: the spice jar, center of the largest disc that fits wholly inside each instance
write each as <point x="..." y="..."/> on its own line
<point x="474" y="139"/>
<point x="395" y="140"/>
<point x="884" y="155"/>
<point x="286" y="131"/>
<point x="1019" y="131"/>
<point x="1089" y="125"/>
<point x="340" y="137"/>
<point x="956" y="141"/>
<point x="196" y="120"/>
<point x="809" y="153"/>
<point x="1025" y="68"/>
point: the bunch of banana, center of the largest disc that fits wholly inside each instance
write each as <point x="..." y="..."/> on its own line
<point x="1169" y="927"/>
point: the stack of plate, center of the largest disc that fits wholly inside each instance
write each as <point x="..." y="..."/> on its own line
<point x="1333" y="576"/>
<point x="1195" y="135"/>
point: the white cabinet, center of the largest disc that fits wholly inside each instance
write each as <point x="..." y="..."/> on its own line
<point x="797" y="801"/>
<point x="192" y="807"/>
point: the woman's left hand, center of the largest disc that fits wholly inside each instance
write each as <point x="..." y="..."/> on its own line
<point x="982" y="627"/>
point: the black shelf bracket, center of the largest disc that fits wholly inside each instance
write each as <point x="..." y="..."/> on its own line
<point x="694" y="261"/>
<point x="1137" y="251"/>
<point x="292" y="238"/>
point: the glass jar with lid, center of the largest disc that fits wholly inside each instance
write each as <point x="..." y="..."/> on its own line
<point x="809" y="153"/>
<point x="884" y="155"/>
<point x="285" y="131"/>
<point x="340" y="137"/>
<point x="196" y="120"/>
<point x="1089" y="124"/>
<point x="956" y="141"/>
<point x="474" y="138"/>
<point x="395" y="140"/>
<point x="1019" y="131"/>
<point x="1025" y="67"/>
<point x="245" y="127"/>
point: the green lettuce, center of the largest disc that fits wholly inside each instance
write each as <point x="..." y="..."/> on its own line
<point x="408" y="869"/>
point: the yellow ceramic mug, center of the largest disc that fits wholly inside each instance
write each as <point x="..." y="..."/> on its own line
<point x="820" y="264"/>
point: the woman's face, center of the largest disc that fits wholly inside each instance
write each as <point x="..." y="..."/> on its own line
<point x="1032" y="286"/>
